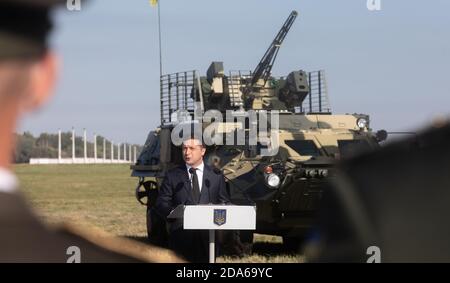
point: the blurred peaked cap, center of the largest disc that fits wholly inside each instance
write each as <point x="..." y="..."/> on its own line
<point x="35" y="3"/>
<point x="25" y="26"/>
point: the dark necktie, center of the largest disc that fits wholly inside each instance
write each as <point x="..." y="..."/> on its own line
<point x="195" y="185"/>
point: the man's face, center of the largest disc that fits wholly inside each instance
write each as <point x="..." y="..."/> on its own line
<point x="27" y="83"/>
<point x="193" y="152"/>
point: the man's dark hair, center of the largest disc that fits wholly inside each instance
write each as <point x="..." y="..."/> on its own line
<point x="193" y="137"/>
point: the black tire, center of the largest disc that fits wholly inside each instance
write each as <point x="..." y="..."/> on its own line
<point x="231" y="244"/>
<point x="246" y="239"/>
<point x="293" y="244"/>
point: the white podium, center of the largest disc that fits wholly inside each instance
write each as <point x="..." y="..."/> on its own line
<point x="216" y="217"/>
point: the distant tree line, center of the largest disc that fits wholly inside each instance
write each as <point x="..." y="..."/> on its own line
<point x="46" y="146"/>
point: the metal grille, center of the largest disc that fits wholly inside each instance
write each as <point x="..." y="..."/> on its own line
<point x="235" y="83"/>
<point x="177" y="93"/>
<point x="317" y="100"/>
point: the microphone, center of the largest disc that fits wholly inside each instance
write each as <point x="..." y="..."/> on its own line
<point x="244" y="193"/>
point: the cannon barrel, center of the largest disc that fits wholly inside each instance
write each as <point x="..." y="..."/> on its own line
<point x="262" y="71"/>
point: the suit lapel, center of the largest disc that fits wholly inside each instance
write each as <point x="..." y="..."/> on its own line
<point x="187" y="183"/>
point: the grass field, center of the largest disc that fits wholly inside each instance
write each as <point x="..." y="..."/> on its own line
<point x="103" y="196"/>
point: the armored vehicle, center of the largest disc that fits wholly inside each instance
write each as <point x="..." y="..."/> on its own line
<point x="284" y="172"/>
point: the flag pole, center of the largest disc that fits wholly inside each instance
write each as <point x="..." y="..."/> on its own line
<point x="159" y="31"/>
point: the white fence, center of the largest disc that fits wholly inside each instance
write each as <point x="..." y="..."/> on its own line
<point x="76" y="161"/>
<point x="128" y="153"/>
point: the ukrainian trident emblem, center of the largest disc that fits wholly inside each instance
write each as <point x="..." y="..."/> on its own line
<point x="220" y="216"/>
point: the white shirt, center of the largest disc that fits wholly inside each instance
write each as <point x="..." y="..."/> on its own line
<point x="199" y="173"/>
<point x="8" y="182"/>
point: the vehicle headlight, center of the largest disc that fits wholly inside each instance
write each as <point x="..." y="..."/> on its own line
<point x="273" y="180"/>
<point x="323" y="173"/>
<point x="361" y="123"/>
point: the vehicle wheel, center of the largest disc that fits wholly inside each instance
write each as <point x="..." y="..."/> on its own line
<point x="233" y="243"/>
<point x="293" y="244"/>
<point x="156" y="229"/>
<point x="246" y="239"/>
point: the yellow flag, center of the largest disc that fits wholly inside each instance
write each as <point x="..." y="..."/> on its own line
<point x="153" y="3"/>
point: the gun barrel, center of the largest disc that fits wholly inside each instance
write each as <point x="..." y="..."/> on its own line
<point x="262" y="71"/>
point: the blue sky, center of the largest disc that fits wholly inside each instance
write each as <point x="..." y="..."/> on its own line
<point x="391" y="64"/>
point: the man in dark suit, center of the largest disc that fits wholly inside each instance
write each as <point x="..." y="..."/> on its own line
<point x="190" y="184"/>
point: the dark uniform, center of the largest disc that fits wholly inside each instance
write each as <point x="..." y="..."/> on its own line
<point x="24" y="29"/>
<point x="393" y="204"/>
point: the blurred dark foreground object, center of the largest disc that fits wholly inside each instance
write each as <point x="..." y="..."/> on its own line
<point x="396" y="200"/>
<point x="24" y="239"/>
<point x="28" y="71"/>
